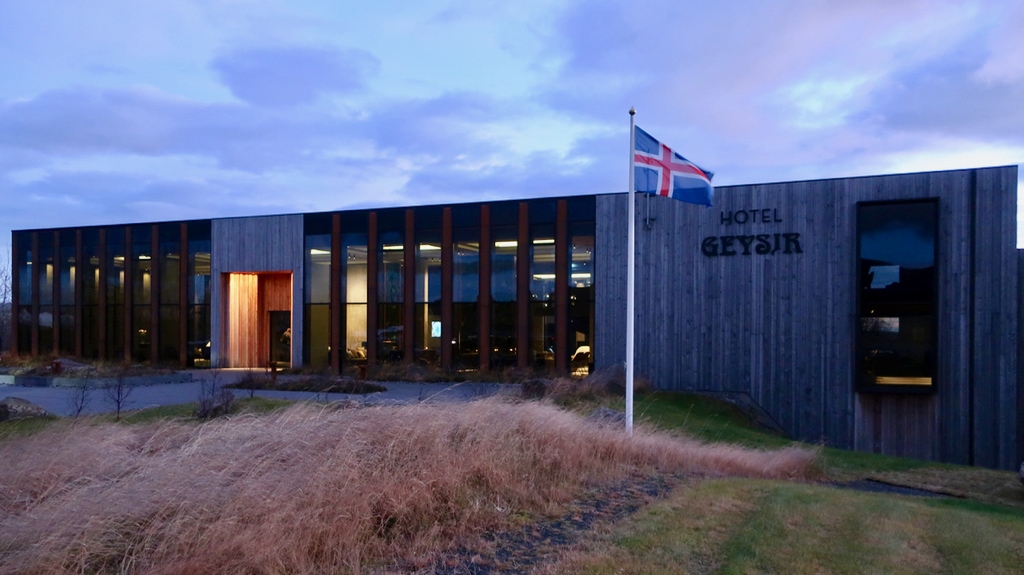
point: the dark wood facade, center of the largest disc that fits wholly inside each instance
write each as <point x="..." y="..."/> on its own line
<point x="781" y="327"/>
<point x="778" y="327"/>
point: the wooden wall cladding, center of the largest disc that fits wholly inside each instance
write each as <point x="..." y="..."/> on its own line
<point x="249" y="245"/>
<point x="781" y="326"/>
<point x="243" y="326"/>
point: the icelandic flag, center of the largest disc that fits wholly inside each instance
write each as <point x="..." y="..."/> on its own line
<point x="659" y="170"/>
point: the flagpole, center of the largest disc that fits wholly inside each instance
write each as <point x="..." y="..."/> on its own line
<point x="630" y="273"/>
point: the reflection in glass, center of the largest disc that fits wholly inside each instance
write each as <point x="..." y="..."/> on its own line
<point x="542" y="296"/>
<point x="427" y="346"/>
<point x="896" y="337"/>
<point x="581" y="298"/>
<point x="90" y="270"/>
<point x="115" y="282"/>
<point x="199" y="271"/>
<point x="504" y="343"/>
<point x="354" y="292"/>
<point x="465" y="295"/>
<point x="316" y="331"/>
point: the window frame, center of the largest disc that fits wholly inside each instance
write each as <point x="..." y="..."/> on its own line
<point x="858" y="365"/>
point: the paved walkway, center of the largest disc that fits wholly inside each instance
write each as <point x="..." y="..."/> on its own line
<point x="59" y="400"/>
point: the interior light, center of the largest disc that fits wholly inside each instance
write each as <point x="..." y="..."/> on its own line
<point x="581" y="276"/>
<point x="319" y="252"/>
<point x="506" y="244"/>
<point x="543" y="276"/>
<point x="541" y="241"/>
<point x="429" y="247"/>
<point x="393" y="247"/>
<point x="144" y="258"/>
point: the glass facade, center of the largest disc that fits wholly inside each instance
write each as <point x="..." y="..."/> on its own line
<point x="198" y="295"/>
<point x="141" y="293"/>
<point x="542" y="284"/>
<point x="316" y="331"/>
<point x="427" y="311"/>
<point x="465" y="288"/>
<point x="169" y="292"/>
<point x="354" y="289"/>
<point x="390" y="286"/>
<point x="91" y="286"/>
<point x="114" y="264"/>
<point x="67" y="273"/>
<point x="581" y="298"/>
<point x="896" y="252"/>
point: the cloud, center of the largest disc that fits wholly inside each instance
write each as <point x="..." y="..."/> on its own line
<point x="143" y="121"/>
<point x="290" y="76"/>
<point x="950" y="95"/>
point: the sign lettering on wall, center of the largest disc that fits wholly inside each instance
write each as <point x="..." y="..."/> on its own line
<point x="751" y="244"/>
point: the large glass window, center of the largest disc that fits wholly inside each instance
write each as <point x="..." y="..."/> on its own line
<point x="169" y="249"/>
<point x="142" y="292"/>
<point x="504" y="312"/>
<point x="23" y="259"/>
<point x="542" y="296"/>
<point x="317" y="332"/>
<point x="390" y="291"/>
<point x="465" y="295"/>
<point x="199" y="294"/>
<point x="115" y="282"/>
<point x="428" y="295"/>
<point x="91" y="285"/>
<point x="896" y="243"/>
<point x="354" y="278"/>
<point x="45" y="268"/>
<point x="581" y="298"/>
<point x="68" y="269"/>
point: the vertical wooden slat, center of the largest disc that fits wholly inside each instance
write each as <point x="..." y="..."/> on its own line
<point x="447" y="253"/>
<point x="1020" y="357"/>
<point x="523" y="287"/>
<point x="337" y="327"/>
<point x="372" y="256"/>
<point x="245" y="345"/>
<point x="562" y="282"/>
<point x="409" y="288"/>
<point x="79" y="288"/>
<point x="484" y="298"/>
<point x="35" y="294"/>
<point x="185" y="279"/>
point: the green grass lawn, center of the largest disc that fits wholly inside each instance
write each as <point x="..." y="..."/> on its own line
<point x="759" y="526"/>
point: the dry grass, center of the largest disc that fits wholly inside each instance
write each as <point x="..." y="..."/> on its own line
<point x="308" y="490"/>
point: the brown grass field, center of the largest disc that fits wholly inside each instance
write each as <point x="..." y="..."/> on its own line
<point x="315" y="490"/>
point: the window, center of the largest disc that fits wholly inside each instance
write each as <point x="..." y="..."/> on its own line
<point x="896" y="332"/>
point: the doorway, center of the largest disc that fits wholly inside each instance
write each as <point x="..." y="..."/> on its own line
<point x="258" y="324"/>
<point x="281" y="338"/>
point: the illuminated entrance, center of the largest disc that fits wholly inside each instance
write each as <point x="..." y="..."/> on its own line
<point x="257" y="326"/>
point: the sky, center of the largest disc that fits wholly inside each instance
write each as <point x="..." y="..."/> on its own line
<point x="121" y="111"/>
